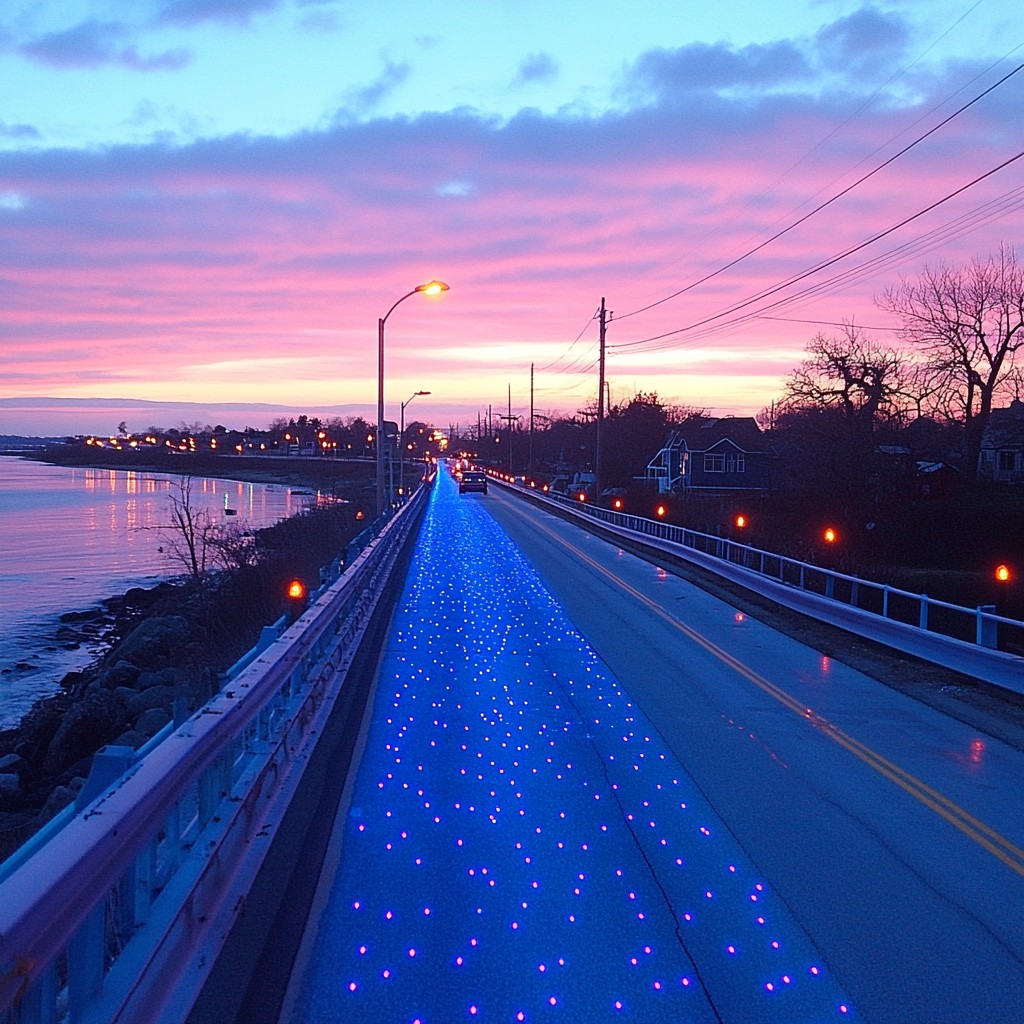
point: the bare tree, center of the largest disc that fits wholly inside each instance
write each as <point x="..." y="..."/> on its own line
<point x="970" y="323"/>
<point x="865" y="381"/>
<point x="192" y="531"/>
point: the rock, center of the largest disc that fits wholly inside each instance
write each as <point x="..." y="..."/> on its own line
<point x="156" y="641"/>
<point x="9" y="784"/>
<point x="90" y="615"/>
<point x="120" y="674"/>
<point x="88" y="725"/>
<point x="152" y="721"/>
<point x="174" y="677"/>
<point x="11" y="763"/>
<point x="59" y="799"/>
<point x="137" y="702"/>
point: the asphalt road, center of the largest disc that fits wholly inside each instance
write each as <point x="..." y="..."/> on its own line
<point x="892" y="831"/>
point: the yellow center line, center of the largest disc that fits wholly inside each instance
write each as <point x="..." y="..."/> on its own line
<point x="985" y="836"/>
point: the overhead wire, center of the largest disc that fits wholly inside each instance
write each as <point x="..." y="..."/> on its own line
<point x="1011" y="200"/>
<point x="828" y="202"/>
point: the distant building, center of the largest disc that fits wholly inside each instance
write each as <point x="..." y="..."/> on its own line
<point x="713" y="454"/>
<point x="1002" y="445"/>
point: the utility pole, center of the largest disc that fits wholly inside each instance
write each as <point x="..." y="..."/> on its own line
<point x="509" y="419"/>
<point x="603" y="319"/>
<point x="530" y="462"/>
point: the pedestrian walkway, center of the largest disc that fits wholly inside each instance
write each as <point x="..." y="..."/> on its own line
<point x="520" y="845"/>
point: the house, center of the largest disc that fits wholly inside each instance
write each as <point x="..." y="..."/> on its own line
<point x="1002" y="445"/>
<point x="713" y="454"/>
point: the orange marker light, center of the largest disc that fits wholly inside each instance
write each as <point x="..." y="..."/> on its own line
<point x="741" y="521"/>
<point x="1003" y="573"/>
<point x="831" y="536"/>
<point x="296" y="590"/>
<point x="660" y="510"/>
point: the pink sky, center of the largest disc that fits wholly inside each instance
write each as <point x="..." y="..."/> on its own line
<point x="252" y="267"/>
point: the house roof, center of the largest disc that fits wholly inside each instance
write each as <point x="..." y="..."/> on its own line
<point x="742" y="431"/>
<point x="1005" y="426"/>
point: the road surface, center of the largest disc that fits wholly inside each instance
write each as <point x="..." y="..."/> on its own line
<point x="591" y="791"/>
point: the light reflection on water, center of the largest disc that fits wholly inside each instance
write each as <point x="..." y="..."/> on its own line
<point x="70" y="537"/>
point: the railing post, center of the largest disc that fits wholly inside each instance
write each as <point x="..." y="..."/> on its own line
<point x="885" y="602"/>
<point x="987" y="633"/>
<point x="923" y="618"/>
<point x="830" y="585"/>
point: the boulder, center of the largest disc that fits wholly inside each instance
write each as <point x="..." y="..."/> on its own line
<point x="156" y="642"/>
<point x="89" y="724"/>
<point x="151" y="722"/>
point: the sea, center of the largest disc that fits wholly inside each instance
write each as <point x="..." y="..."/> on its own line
<point x="70" y="537"/>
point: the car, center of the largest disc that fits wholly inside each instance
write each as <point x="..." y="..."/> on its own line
<point x="472" y="480"/>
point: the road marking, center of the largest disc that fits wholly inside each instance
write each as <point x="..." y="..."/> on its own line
<point x="985" y="836"/>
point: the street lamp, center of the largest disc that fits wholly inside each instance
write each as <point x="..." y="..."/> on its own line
<point x="430" y="288"/>
<point x="401" y="442"/>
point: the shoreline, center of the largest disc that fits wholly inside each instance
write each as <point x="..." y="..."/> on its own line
<point x="313" y="472"/>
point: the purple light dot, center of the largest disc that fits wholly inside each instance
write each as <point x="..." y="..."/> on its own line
<point x="412" y="952"/>
<point x="770" y="987"/>
<point x="351" y="986"/>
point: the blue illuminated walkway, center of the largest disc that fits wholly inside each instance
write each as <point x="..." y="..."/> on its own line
<point x="520" y="844"/>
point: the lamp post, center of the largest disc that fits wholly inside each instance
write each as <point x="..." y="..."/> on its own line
<point x="401" y="442"/>
<point x="430" y="288"/>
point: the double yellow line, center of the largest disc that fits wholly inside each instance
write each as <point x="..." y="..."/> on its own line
<point x="988" y="838"/>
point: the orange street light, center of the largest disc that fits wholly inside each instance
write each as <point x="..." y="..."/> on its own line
<point x="831" y="535"/>
<point x="660" y="511"/>
<point x="741" y="521"/>
<point x="1003" y="573"/>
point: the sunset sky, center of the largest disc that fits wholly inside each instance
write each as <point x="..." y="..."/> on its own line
<point x="213" y="201"/>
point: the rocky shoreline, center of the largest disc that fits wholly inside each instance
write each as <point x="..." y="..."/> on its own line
<point x="158" y="654"/>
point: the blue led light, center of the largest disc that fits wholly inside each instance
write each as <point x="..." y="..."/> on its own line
<point x="501" y="863"/>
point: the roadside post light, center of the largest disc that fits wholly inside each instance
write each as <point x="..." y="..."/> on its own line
<point x="1003" y="574"/>
<point x="297" y="597"/>
<point x="660" y="511"/>
<point x="401" y="442"/>
<point x="831" y="535"/>
<point x="741" y="521"/>
<point x="430" y="288"/>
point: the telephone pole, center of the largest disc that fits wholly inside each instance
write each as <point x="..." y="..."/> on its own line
<point x="603" y="320"/>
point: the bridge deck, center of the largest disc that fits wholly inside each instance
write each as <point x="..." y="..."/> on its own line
<point x="521" y="844"/>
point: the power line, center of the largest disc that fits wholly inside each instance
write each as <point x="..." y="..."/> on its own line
<point x="828" y="202"/>
<point x="767" y="292"/>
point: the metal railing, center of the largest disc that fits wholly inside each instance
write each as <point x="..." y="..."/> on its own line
<point x="119" y="916"/>
<point x="876" y="610"/>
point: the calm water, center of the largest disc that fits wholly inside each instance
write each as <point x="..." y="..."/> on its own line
<point x="71" y="537"/>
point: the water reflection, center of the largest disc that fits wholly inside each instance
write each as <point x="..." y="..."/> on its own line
<point x="70" y="537"/>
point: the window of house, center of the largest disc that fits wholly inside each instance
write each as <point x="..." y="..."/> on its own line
<point x="736" y="462"/>
<point x="714" y="463"/>
<point x="1006" y="461"/>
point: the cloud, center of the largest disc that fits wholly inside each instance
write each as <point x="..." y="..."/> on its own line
<point x="537" y="67"/>
<point x="702" y="67"/>
<point x="91" y="44"/>
<point x="862" y="39"/>
<point x="230" y="12"/>
<point x="19" y="131"/>
<point x="135" y="264"/>
<point x="367" y="98"/>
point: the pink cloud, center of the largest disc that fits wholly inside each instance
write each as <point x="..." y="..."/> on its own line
<point x="258" y="267"/>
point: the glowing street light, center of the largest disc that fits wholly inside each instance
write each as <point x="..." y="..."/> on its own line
<point x="401" y="442"/>
<point x="430" y="288"/>
<point x="831" y="535"/>
<point x="1003" y="573"/>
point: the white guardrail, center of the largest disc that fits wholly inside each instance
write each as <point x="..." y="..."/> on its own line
<point x="119" y="915"/>
<point x="961" y="638"/>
